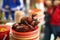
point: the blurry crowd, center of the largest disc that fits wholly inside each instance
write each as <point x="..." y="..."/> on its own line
<point x="52" y="18"/>
<point x="9" y="7"/>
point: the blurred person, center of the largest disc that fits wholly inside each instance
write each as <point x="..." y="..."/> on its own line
<point x="10" y="6"/>
<point x="55" y="19"/>
<point x="48" y="12"/>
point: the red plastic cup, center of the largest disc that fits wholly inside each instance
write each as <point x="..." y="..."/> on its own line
<point x="31" y="35"/>
<point x="4" y="35"/>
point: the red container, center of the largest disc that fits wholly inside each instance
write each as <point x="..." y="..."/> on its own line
<point x="32" y="35"/>
<point x="4" y="35"/>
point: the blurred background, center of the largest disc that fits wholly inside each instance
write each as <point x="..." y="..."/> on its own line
<point x="45" y="5"/>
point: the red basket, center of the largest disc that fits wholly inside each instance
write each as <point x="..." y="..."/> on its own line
<point x="4" y="35"/>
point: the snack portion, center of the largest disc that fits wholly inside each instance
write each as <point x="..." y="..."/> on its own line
<point x="26" y="24"/>
<point x="2" y="29"/>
